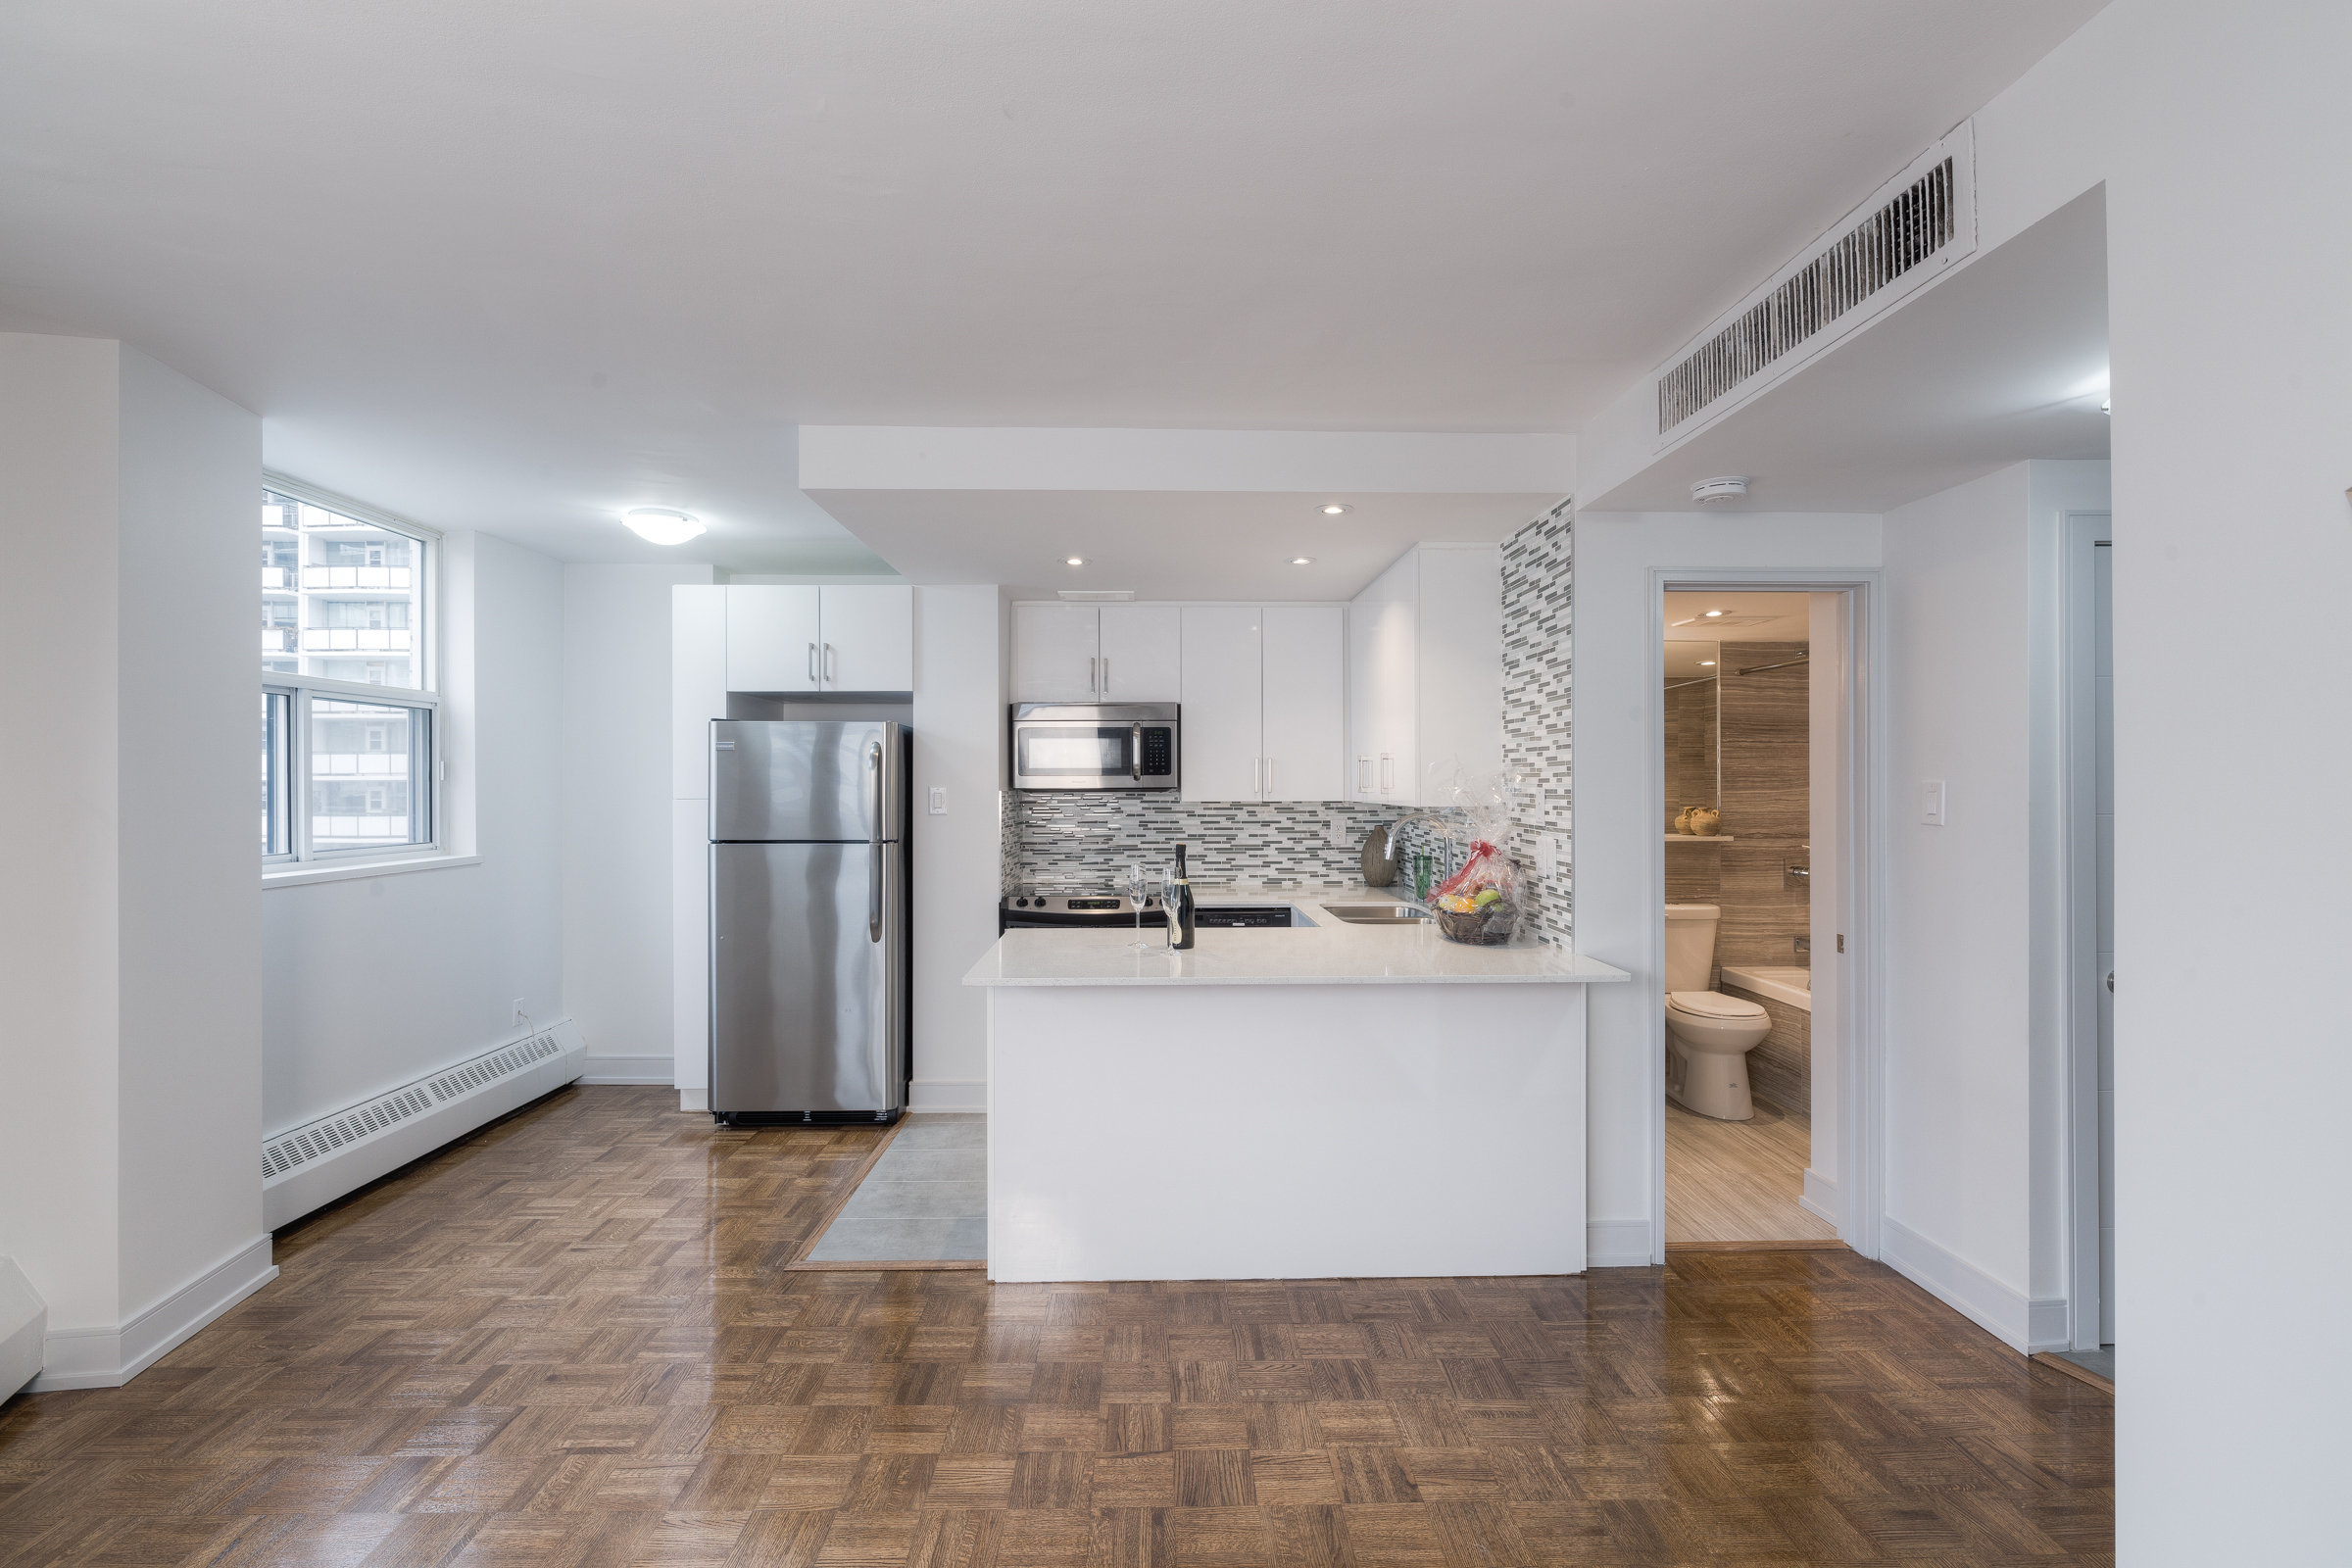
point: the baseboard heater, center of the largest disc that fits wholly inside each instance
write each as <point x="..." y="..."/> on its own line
<point x="320" y="1160"/>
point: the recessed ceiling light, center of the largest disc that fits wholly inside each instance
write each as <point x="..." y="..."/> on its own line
<point x="1303" y="561"/>
<point x="661" y="526"/>
<point x="1712" y="614"/>
<point x="1706" y="664"/>
<point x="1076" y="560"/>
<point x="1336" y="508"/>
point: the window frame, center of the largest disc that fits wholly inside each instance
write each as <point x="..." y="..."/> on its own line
<point x="426" y="739"/>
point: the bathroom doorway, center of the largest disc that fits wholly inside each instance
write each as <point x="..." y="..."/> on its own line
<point x="1752" y="718"/>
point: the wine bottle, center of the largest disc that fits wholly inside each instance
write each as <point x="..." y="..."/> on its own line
<point x="1185" y="921"/>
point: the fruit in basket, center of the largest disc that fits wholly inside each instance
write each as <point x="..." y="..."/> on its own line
<point x="1488" y="895"/>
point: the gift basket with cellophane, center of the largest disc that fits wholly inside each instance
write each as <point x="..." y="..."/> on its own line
<point x="1480" y="903"/>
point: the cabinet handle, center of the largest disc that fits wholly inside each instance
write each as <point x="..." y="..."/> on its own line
<point x="1388" y="774"/>
<point x="1269" y="776"/>
<point x="1107" y="675"/>
<point x="1258" y="772"/>
<point x="1363" y="776"/>
<point x="812" y="663"/>
<point x="832" y="665"/>
<point x="1094" y="677"/>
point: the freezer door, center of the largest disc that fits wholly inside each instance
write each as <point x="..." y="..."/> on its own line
<point x="804" y="781"/>
<point x="807" y="980"/>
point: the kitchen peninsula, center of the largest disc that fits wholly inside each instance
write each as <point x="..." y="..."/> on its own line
<point x="1333" y="1100"/>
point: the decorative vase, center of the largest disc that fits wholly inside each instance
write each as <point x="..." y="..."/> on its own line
<point x="1705" y="821"/>
<point x="1682" y="822"/>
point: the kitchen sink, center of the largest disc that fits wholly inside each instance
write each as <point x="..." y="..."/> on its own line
<point x="1376" y="914"/>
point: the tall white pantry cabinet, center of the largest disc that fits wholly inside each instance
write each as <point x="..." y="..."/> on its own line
<point x="1425" y="675"/>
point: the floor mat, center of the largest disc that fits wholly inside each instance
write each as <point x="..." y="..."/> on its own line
<point x="924" y="1201"/>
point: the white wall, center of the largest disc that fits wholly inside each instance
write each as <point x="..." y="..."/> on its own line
<point x="373" y="982"/>
<point x="1618" y="869"/>
<point x="959" y="729"/>
<point x="1828" y="674"/>
<point x="616" y="815"/>
<point x="1975" y="1005"/>
<point x="129" y="920"/>
<point x="2232" y="438"/>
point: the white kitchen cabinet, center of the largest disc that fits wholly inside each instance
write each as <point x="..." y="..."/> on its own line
<point x="792" y="637"/>
<point x="774" y="637"/>
<point x="1057" y="654"/>
<point x="1425" y="675"/>
<point x="1143" y="653"/>
<point x="1223" y="737"/>
<point x="866" y="638"/>
<point x="1305" y="702"/>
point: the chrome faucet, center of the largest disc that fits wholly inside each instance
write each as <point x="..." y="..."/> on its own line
<point x="1445" y="826"/>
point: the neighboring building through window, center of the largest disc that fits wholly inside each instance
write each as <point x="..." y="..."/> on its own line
<point x="347" y="715"/>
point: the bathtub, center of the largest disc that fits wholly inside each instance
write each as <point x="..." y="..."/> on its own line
<point x="1793" y="987"/>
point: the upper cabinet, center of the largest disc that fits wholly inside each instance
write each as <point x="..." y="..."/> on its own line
<point x="1425" y="675"/>
<point x="1264" y="702"/>
<point x="1097" y="654"/>
<point x="799" y="638"/>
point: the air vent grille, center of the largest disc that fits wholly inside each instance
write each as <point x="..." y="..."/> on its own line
<point x="324" y="1137"/>
<point x="1914" y="226"/>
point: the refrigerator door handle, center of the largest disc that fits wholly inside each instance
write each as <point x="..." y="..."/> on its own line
<point x="874" y="898"/>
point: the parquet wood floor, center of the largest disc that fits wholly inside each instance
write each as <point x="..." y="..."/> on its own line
<point x="568" y="1343"/>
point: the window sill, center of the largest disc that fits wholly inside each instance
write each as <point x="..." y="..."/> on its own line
<point x="337" y="872"/>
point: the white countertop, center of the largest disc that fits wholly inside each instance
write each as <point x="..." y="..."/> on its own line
<point x="1331" y="952"/>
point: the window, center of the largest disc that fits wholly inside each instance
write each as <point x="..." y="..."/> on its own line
<point x="348" y="706"/>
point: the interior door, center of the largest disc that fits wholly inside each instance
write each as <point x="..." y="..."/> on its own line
<point x="1306" y="701"/>
<point x="1223" y="706"/>
<point x="2103" y="621"/>
<point x="1056" y="655"/>
<point x="773" y="637"/>
<point x="802" y="1012"/>
<point x="866" y="640"/>
<point x="1143" y="653"/>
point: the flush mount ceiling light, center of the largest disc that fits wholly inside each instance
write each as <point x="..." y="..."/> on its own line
<point x="661" y="526"/>
<point x="1336" y="508"/>
<point x="1074" y="561"/>
<point x="1723" y="487"/>
<point x="1303" y="561"/>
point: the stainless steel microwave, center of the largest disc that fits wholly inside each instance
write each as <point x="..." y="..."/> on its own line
<point x="1096" y="745"/>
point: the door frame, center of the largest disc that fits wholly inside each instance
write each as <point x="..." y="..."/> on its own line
<point x="2079" y="697"/>
<point x="1859" y="892"/>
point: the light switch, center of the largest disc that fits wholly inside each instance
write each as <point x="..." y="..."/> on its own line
<point x="1931" y="803"/>
<point x="1548" y="848"/>
<point x="939" y="800"/>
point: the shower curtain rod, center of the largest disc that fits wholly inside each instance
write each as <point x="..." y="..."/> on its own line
<point x="1753" y="669"/>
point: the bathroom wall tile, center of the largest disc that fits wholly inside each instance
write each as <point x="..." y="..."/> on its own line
<point x="1764" y="909"/>
<point x="1764" y="753"/>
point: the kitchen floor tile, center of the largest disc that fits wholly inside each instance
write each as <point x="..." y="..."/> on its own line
<point x="887" y="1241"/>
<point x="880" y="1200"/>
<point x="924" y="1132"/>
<point x="931" y="1166"/>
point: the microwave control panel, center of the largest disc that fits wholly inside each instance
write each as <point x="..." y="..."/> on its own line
<point x="1158" y="753"/>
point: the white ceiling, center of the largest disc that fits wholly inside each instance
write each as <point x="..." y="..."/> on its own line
<point x="2004" y="361"/>
<point x="519" y="265"/>
<point x="1764" y="617"/>
<point x="1164" y="544"/>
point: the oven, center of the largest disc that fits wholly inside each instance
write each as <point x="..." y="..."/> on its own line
<point x="1096" y="745"/>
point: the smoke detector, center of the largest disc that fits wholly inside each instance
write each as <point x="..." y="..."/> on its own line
<point x="1725" y="487"/>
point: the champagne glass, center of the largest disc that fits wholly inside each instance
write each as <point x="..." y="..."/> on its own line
<point x="1137" y="887"/>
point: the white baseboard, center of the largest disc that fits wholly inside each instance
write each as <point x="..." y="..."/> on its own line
<point x="627" y="1069"/>
<point x="2023" y="1324"/>
<point x="1819" y="1198"/>
<point x="109" y="1358"/>
<point x="693" y="1099"/>
<point x="948" y="1094"/>
<point x="1618" y="1243"/>
<point x="354" y="1162"/>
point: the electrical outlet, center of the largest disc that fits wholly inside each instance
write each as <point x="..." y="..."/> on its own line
<point x="1335" y="834"/>
<point x="519" y="1017"/>
<point x="939" y="800"/>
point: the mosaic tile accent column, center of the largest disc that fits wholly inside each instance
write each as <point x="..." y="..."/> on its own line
<point x="1535" y="602"/>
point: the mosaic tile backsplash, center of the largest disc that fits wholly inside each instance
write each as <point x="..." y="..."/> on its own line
<point x="1084" y="843"/>
<point x="1536" y="578"/>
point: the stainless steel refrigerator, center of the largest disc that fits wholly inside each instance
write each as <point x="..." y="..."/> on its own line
<point x="808" y="921"/>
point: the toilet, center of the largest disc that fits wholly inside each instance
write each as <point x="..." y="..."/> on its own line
<point x="1708" y="1034"/>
